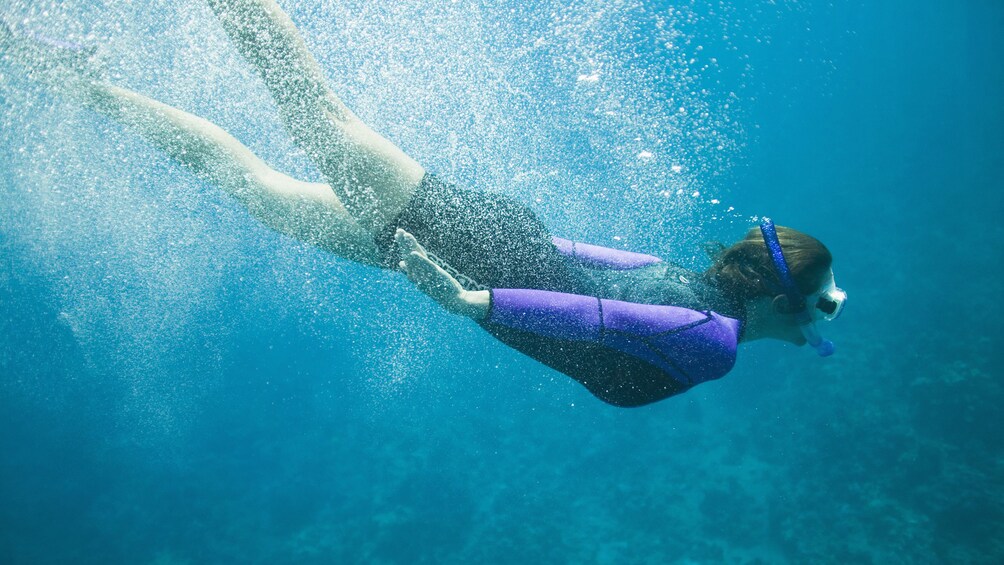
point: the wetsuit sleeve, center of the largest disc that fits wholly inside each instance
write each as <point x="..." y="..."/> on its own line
<point x="598" y="257"/>
<point x="688" y="345"/>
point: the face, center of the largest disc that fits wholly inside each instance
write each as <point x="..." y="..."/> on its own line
<point x="826" y="303"/>
<point x="786" y="328"/>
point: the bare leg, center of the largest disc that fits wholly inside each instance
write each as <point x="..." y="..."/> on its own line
<point x="371" y="176"/>
<point x="307" y="211"/>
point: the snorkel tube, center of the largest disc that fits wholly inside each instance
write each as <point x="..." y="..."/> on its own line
<point x="790" y="290"/>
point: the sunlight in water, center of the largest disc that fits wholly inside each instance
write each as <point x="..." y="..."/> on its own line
<point x="557" y="105"/>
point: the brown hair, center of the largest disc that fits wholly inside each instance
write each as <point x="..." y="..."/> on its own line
<point x="745" y="270"/>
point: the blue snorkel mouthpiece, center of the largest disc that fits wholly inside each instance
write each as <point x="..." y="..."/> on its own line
<point x="790" y="289"/>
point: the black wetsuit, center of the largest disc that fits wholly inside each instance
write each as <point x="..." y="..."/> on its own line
<point x="501" y="243"/>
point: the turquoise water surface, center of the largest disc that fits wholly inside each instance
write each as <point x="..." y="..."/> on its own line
<point x="180" y="385"/>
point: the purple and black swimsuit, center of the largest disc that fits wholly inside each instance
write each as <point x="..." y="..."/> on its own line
<point x="633" y="329"/>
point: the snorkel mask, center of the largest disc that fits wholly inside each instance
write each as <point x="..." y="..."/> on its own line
<point x="827" y="304"/>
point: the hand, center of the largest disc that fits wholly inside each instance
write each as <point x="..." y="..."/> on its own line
<point x="437" y="283"/>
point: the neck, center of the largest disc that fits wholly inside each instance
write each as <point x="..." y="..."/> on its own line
<point x="757" y="323"/>
<point x="715" y="298"/>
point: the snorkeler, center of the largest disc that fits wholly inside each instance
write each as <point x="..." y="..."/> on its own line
<point x="632" y="328"/>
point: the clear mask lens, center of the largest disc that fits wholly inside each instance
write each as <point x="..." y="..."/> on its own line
<point x="829" y="303"/>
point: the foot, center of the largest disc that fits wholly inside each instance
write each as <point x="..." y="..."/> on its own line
<point x="62" y="65"/>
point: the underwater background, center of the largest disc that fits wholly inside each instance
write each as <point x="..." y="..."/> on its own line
<point x="180" y="385"/>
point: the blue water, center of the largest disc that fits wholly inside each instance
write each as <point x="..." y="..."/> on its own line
<point x="180" y="385"/>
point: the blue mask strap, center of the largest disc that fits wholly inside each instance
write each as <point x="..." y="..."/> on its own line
<point x="790" y="290"/>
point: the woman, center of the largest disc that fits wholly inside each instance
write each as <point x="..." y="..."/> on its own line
<point x="633" y="329"/>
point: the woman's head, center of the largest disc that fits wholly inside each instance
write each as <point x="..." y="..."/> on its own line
<point x="745" y="271"/>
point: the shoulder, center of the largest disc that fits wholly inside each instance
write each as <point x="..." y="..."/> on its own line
<point x="692" y="345"/>
<point x="709" y="349"/>
<point x="663" y="283"/>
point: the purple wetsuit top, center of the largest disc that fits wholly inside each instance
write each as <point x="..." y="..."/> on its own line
<point x="690" y="346"/>
<point x="603" y="257"/>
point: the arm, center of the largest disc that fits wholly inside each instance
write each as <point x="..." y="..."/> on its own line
<point x="597" y="257"/>
<point x="688" y="345"/>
